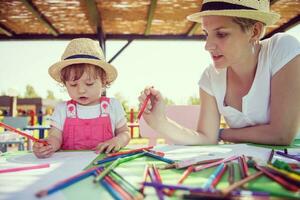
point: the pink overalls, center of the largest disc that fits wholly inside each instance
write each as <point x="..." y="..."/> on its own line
<point x="86" y="134"/>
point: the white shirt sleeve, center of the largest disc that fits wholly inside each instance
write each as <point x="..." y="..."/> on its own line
<point x="283" y="49"/>
<point x="118" y="113"/>
<point x="205" y="81"/>
<point x="58" y="117"/>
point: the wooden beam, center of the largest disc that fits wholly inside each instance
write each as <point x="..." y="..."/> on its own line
<point x="193" y="29"/>
<point x="150" y="16"/>
<point x="108" y="37"/>
<point x="31" y="7"/>
<point x="120" y="51"/>
<point x="5" y="31"/>
<point x="96" y="22"/>
<point x="292" y="22"/>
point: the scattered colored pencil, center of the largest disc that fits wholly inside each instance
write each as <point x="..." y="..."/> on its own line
<point x="22" y="133"/>
<point x="143" y="106"/>
<point x="212" y="177"/>
<point x="154" y="179"/>
<point x="107" y="170"/>
<point x="129" y="151"/>
<point x="201" y="167"/>
<point x="241" y="167"/>
<point x="159" y="157"/>
<point x="111" y="190"/>
<point x="16" y="169"/>
<point x="173" y="187"/>
<point x="145" y="175"/>
<point x="117" y="188"/>
<point x="218" y="177"/>
<point x="271" y="156"/>
<point x="231" y="173"/>
<point x="294" y="157"/>
<point x="241" y="182"/>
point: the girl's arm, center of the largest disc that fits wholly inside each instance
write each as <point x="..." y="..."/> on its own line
<point x="284" y="111"/>
<point x="208" y="123"/>
<point x="122" y="135"/>
<point x="55" y="138"/>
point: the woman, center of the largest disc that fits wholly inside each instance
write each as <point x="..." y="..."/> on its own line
<point x="254" y="84"/>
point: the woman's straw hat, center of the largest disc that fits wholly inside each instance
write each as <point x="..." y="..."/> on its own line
<point x="83" y="50"/>
<point x="252" y="9"/>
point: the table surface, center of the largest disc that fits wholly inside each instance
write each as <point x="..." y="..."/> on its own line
<point x="24" y="184"/>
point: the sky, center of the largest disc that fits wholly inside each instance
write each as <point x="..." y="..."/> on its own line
<point x="173" y="67"/>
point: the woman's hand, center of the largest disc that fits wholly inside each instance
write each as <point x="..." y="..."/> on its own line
<point x="43" y="151"/>
<point x="155" y="109"/>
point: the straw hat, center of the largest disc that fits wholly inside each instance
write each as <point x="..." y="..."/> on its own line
<point x="83" y="50"/>
<point x="252" y="9"/>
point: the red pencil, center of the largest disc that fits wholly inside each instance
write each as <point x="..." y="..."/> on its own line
<point x="278" y="179"/>
<point x="143" y="106"/>
<point x="117" y="187"/>
<point x="219" y="176"/>
<point x="23" y="133"/>
<point x="145" y="175"/>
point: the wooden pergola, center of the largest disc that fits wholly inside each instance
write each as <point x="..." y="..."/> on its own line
<point x="116" y="19"/>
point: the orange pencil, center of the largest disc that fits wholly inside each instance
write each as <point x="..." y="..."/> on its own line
<point x="144" y="106"/>
<point x="22" y="133"/>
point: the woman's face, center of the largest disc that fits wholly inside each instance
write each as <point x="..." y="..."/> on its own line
<point x="226" y="42"/>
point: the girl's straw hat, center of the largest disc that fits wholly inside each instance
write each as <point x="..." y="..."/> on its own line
<point x="252" y="9"/>
<point x="83" y="50"/>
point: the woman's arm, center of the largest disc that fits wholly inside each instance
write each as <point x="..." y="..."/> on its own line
<point x="284" y="111"/>
<point x="208" y="123"/>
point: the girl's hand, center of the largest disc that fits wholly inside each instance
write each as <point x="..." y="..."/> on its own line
<point x="110" y="146"/>
<point x="43" y="151"/>
<point x="155" y="109"/>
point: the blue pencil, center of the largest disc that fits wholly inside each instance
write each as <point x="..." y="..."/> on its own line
<point x="159" y="157"/>
<point x="111" y="190"/>
<point x="212" y="177"/>
<point x="63" y="184"/>
<point x="174" y="187"/>
<point x="110" y="159"/>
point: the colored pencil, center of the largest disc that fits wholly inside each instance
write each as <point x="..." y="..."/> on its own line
<point x="241" y="182"/>
<point x="156" y="173"/>
<point x="245" y="166"/>
<point x="159" y="157"/>
<point x="22" y="133"/>
<point x="278" y="179"/>
<point x="185" y="174"/>
<point x="201" y="167"/>
<point x="127" y="187"/>
<point x="143" y="106"/>
<point x="16" y="169"/>
<point x="231" y="173"/>
<point x="128" y="151"/>
<point x="294" y="157"/>
<point x="154" y="179"/>
<point x="219" y="176"/>
<point x="187" y="163"/>
<point x="107" y="170"/>
<point x="271" y="156"/>
<point x="174" y="187"/>
<point x="111" y="190"/>
<point x="117" y="188"/>
<point x="110" y="159"/>
<point x="145" y="175"/>
<point x="249" y="193"/>
<point x="212" y="177"/>
<point x="67" y="182"/>
<point x="241" y="167"/>
<point x="284" y="173"/>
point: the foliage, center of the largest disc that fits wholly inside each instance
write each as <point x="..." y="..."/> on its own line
<point x="193" y="100"/>
<point x="50" y="95"/>
<point x="168" y="101"/>
<point x="123" y="101"/>
<point x="30" y="92"/>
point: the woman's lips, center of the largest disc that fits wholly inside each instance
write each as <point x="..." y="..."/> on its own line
<point x="216" y="58"/>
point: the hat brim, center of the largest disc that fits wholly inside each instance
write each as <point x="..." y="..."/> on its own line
<point x="268" y="18"/>
<point x="110" y="70"/>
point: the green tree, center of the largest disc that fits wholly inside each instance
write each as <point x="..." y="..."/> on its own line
<point x="30" y="92"/>
<point x="168" y="101"/>
<point x="123" y="101"/>
<point x="193" y="100"/>
<point x="50" y="95"/>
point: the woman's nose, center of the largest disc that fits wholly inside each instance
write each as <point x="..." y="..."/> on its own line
<point x="209" y="45"/>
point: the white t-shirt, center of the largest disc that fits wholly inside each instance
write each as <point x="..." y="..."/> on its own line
<point x="115" y="110"/>
<point x="275" y="52"/>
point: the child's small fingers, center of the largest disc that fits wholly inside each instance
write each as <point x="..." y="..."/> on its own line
<point x="102" y="147"/>
<point x="109" y="148"/>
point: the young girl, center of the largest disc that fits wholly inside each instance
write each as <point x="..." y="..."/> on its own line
<point x="254" y="84"/>
<point x="87" y="121"/>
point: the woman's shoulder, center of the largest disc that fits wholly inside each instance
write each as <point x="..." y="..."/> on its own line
<point x="281" y="40"/>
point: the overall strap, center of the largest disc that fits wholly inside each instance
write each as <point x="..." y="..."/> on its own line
<point x="71" y="109"/>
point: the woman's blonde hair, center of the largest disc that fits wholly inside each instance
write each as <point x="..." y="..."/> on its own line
<point x="246" y="24"/>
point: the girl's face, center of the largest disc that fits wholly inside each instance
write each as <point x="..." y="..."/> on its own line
<point x="226" y="42"/>
<point x="86" y="90"/>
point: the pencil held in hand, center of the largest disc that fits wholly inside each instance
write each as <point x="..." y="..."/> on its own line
<point x="144" y="106"/>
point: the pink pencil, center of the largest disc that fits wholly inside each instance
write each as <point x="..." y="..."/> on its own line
<point x="22" y="133"/>
<point x="24" y="168"/>
<point x="144" y="106"/>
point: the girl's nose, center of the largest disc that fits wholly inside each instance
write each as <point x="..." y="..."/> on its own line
<point x="81" y="89"/>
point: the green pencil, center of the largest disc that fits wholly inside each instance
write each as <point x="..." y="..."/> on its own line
<point x="107" y="170"/>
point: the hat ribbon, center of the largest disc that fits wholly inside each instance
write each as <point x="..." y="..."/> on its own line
<point x="82" y="56"/>
<point x="223" y="6"/>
